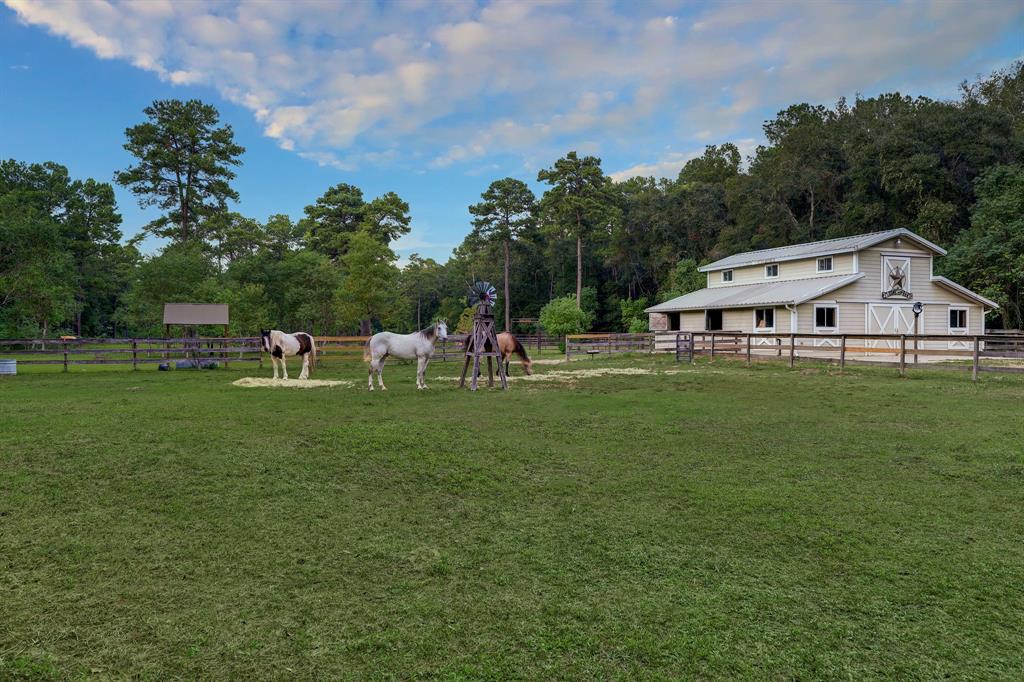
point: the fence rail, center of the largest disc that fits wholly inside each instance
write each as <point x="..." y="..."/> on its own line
<point x="140" y="351"/>
<point x="604" y="344"/>
<point x="995" y="352"/>
<point x="903" y="349"/>
<point x="135" y="352"/>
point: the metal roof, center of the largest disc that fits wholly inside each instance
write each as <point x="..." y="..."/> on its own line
<point x="963" y="291"/>
<point x="788" y="292"/>
<point x="813" y="249"/>
<point x="195" y="313"/>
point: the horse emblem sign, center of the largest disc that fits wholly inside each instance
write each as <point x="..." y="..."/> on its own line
<point x="897" y="272"/>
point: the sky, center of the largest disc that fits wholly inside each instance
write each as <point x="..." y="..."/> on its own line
<point x="434" y="100"/>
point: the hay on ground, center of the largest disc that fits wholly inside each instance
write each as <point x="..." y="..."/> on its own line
<point x="259" y="382"/>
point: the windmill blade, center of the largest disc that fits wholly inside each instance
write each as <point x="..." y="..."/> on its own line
<point x="482" y="293"/>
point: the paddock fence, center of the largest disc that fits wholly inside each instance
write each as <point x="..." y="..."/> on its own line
<point x="142" y="351"/>
<point x="135" y="352"/>
<point x="978" y="353"/>
<point x="607" y="344"/>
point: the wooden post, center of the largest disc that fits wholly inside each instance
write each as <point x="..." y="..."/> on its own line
<point x="903" y="355"/>
<point x="974" y="364"/>
<point x="65" y="356"/>
<point x="842" y="353"/>
<point x="792" y="350"/>
<point x="135" y="354"/>
<point x="916" y="332"/>
<point x="690" y="345"/>
<point x="712" y="346"/>
<point x="748" y="350"/>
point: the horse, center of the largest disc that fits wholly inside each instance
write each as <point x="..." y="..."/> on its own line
<point x="281" y="346"/>
<point x="509" y="344"/>
<point x="418" y="345"/>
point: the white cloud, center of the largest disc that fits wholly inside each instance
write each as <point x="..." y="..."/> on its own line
<point x="668" y="166"/>
<point x="455" y="81"/>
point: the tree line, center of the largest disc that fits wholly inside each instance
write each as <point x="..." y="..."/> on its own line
<point x="591" y="251"/>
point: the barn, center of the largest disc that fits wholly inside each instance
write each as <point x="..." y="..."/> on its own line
<point x="865" y="284"/>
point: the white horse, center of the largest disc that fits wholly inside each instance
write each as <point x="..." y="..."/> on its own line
<point x="419" y="345"/>
<point x="281" y="346"/>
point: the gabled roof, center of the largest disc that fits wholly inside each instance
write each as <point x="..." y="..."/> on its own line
<point x="786" y="292"/>
<point x="826" y="247"/>
<point x="963" y="291"/>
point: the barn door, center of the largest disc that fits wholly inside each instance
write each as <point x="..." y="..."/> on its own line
<point x="884" y="318"/>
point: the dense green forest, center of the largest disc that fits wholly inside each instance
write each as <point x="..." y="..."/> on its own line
<point x="953" y="171"/>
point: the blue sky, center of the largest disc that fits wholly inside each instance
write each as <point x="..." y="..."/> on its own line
<point x="435" y="99"/>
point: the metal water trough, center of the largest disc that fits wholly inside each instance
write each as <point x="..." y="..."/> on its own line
<point x="8" y="367"/>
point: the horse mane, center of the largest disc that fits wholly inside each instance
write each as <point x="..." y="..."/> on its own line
<point x="519" y="350"/>
<point x="430" y="332"/>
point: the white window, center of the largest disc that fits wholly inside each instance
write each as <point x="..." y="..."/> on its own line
<point x="825" y="317"/>
<point x="764" y="319"/>
<point x="825" y="264"/>
<point x="771" y="271"/>
<point x="957" y="319"/>
<point x="726" y="275"/>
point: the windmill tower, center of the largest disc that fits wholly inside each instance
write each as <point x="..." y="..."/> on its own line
<point x="482" y="341"/>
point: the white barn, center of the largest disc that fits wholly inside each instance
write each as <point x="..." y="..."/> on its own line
<point x="866" y="284"/>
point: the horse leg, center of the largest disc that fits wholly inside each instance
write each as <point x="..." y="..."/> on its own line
<point x="380" y="374"/>
<point x="273" y="361"/>
<point x="369" y="377"/>
<point x="421" y="368"/>
<point x="304" y="374"/>
<point x="284" y="368"/>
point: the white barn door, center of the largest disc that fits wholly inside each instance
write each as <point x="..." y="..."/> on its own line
<point x="887" y="318"/>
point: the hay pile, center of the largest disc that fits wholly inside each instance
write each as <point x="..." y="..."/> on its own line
<point x="574" y="374"/>
<point x="259" y="382"/>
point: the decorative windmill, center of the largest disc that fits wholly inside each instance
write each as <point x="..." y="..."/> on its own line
<point x="482" y="341"/>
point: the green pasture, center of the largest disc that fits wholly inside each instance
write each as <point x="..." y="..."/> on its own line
<point x="707" y="522"/>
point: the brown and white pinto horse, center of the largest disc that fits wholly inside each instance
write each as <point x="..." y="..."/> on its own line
<point x="281" y="346"/>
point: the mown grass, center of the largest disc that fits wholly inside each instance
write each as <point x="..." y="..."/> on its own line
<point x="721" y="522"/>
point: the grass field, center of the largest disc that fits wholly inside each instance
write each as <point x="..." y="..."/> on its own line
<point x="708" y="522"/>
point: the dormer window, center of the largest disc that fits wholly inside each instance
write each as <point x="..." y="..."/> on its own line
<point x="825" y="264"/>
<point x="771" y="271"/>
<point x="726" y="275"/>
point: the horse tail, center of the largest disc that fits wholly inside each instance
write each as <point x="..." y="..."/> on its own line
<point x="521" y="352"/>
<point x="312" y="353"/>
<point x="366" y="350"/>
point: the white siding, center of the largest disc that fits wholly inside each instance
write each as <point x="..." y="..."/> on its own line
<point x="796" y="269"/>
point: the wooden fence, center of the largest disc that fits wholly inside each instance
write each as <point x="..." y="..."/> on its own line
<point x="996" y="352"/>
<point x="135" y="352"/>
<point x="897" y="350"/>
<point x="605" y="344"/>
